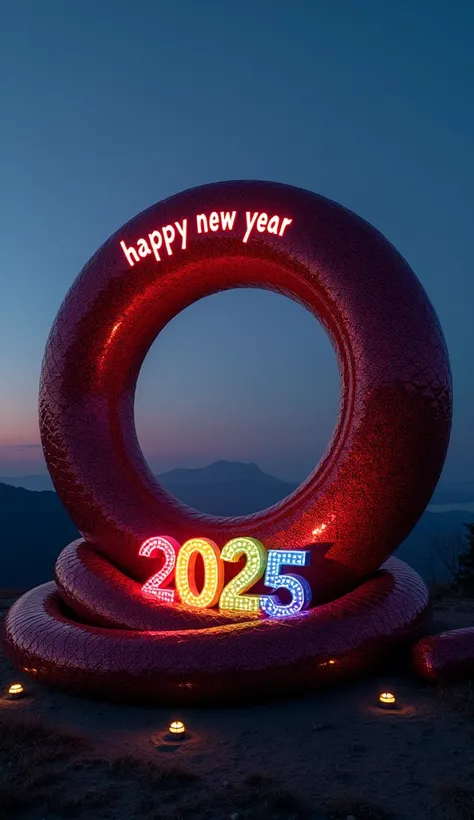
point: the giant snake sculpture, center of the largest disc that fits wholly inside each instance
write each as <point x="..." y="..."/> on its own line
<point x="92" y="630"/>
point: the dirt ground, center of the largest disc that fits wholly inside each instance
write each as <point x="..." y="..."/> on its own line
<point x="331" y="755"/>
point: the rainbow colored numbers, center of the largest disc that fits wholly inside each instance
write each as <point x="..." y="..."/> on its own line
<point x="181" y="560"/>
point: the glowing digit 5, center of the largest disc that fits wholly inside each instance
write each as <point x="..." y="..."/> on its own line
<point x="169" y="547"/>
<point x="256" y="555"/>
<point x="298" y="587"/>
<point x="213" y="573"/>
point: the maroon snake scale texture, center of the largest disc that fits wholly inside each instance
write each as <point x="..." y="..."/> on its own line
<point x="92" y="630"/>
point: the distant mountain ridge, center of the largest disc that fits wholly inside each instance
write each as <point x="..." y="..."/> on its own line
<point x="226" y="488"/>
<point x="217" y="471"/>
<point x="34" y="526"/>
<point x="185" y="484"/>
<point x="38" y="483"/>
<point x="229" y="471"/>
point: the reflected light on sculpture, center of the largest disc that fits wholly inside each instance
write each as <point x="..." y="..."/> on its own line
<point x="319" y="529"/>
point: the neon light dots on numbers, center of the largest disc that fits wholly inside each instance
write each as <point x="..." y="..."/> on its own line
<point x="298" y="587"/>
<point x="256" y="558"/>
<point x="213" y="573"/>
<point x="154" y="586"/>
<point x="231" y="597"/>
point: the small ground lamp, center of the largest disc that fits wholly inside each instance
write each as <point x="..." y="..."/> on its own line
<point x="177" y="730"/>
<point x="387" y="700"/>
<point x="15" y="691"/>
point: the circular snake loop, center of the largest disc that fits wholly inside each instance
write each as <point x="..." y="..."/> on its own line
<point x="93" y="631"/>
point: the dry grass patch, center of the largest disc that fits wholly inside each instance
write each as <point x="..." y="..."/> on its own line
<point x="256" y="797"/>
<point x="461" y="799"/>
<point x="459" y="697"/>
<point x="33" y="756"/>
<point x="149" y="774"/>
<point x="26" y="744"/>
<point x="349" y="804"/>
<point x="261" y="797"/>
<point x="52" y="773"/>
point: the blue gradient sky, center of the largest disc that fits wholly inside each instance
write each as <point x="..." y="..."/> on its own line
<point x="111" y="106"/>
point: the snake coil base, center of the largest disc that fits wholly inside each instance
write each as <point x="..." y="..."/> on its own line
<point x="161" y="653"/>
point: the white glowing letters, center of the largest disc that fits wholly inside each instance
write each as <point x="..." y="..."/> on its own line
<point x="222" y="220"/>
<point x="231" y="596"/>
<point x="157" y="242"/>
<point x="262" y="222"/>
<point x="163" y="241"/>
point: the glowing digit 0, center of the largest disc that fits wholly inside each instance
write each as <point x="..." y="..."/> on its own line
<point x="169" y="547"/>
<point x="213" y="573"/>
<point x="256" y="555"/>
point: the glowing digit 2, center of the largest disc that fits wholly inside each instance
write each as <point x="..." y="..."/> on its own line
<point x="169" y="547"/>
<point x="298" y="587"/>
<point x="256" y="555"/>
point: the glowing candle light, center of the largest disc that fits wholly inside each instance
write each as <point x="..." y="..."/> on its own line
<point x="387" y="700"/>
<point x="177" y="730"/>
<point x="15" y="691"/>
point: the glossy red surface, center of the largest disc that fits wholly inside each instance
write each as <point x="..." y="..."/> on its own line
<point x="369" y="490"/>
<point x="446" y="657"/>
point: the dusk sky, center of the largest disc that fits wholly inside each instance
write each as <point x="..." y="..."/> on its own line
<point x="108" y="107"/>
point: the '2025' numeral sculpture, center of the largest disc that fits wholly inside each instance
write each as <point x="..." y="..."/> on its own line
<point x="181" y="561"/>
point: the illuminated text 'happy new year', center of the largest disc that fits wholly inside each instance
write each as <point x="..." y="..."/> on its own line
<point x="174" y="236"/>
